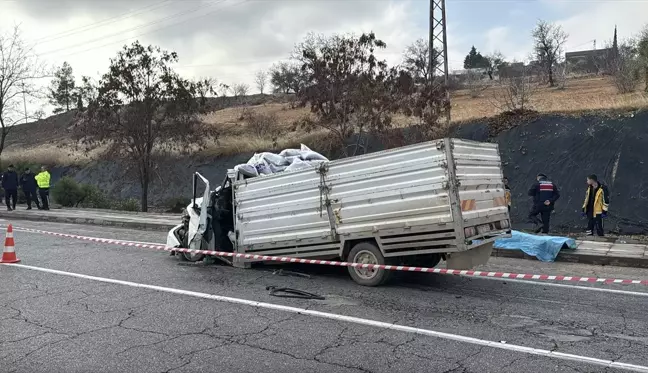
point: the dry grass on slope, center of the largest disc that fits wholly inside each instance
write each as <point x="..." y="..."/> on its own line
<point x="273" y="125"/>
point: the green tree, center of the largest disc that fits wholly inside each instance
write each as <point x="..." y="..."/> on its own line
<point x="62" y="93"/>
<point x="354" y="92"/>
<point x="143" y="106"/>
<point x="86" y="92"/>
<point x="205" y="87"/>
<point x="474" y="60"/>
<point x="287" y="77"/>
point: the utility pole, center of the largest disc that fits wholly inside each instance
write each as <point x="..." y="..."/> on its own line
<point x="438" y="39"/>
<point x="594" y="46"/>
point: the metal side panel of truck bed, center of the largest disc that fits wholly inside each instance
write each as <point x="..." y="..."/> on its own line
<point x="276" y="213"/>
<point x="398" y="197"/>
<point x="433" y="197"/>
<point x="381" y="195"/>
<point x="478" y="172"/>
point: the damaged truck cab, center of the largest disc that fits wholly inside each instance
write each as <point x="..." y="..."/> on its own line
<point x="413" y="205"/>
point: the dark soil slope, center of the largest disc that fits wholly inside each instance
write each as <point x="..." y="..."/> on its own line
<point x="568" y="149"/>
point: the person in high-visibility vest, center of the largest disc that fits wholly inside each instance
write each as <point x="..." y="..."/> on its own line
<point x="595" y="206"/>
<point x="43" y="181"/>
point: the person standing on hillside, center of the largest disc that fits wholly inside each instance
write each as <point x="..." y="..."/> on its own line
<point x="43" y="181"/>
<point x="10" y="186"/>
<point x="595" y="206"/>
<point x="29" y="186"/>
<point x="545" y="194"/>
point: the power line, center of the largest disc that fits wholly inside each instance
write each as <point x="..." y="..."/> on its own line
<point x="175" y="15"/>
<point x="90" y="26"/>
<point x="149" y="32"/>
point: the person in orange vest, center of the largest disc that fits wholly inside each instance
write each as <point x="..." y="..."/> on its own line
<point x="595" y="206"/>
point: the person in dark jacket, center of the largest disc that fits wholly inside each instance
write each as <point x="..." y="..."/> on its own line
<point x="10" y="186"/>
<point x="545" y="194"/>
<point x="595" y="206"/>
<point x="29" y="187"/>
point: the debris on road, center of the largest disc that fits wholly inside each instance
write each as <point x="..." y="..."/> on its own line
<point x="284" y="272"/>
<point x="293" y="293"/>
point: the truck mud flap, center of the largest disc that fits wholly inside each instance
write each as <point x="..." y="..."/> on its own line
<point x="470" y="258"/>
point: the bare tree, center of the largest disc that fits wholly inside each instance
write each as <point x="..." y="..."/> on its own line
<point x="514" y="93"/>
<point x="642" y="46"/>
<point x="474" y="83"/>
<point x="549" y="40"/>
<point x="493" y="63"/>
<point x="240" y="89"/>
<point x="416" y="59"/>
<point x="19" y="65"/>
<point x="626" y="67"/>
<point x="261" y="79"/>
<point x="224" y="89"/>
<point x="204" y="88"/>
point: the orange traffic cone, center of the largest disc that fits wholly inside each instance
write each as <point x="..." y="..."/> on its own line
<point x="9" y="254"/>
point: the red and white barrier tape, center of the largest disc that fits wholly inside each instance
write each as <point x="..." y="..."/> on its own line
<point x="285" y="259"/>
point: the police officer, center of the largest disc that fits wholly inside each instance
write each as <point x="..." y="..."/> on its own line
<point x="545" y="194"/>
<point x="43" y="181"/>
<point x="10" y="186"/>
<point x="29" y="186"/>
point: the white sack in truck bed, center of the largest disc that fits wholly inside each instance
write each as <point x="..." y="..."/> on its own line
<point x="267" y="163"/>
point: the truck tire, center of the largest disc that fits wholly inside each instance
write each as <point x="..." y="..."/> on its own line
<point x="432" y="260"/>
<point x="190" y="257"/>
<point x="367" y="253"/>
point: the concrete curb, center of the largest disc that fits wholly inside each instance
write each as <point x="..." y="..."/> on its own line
<point x="102" y="221"/>
<point x="574" y="256"/>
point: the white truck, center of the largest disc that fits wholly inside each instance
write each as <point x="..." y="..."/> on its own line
<point x="413" y="205"/>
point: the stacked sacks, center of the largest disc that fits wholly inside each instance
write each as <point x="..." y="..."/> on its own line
<point x="288" y="160"/>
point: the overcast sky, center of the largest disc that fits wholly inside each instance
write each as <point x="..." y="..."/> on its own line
<point x="232" y="39"/>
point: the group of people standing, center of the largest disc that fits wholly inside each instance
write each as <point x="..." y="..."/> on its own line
<point x="30" y="183"/>
<point x="545" y="193"/>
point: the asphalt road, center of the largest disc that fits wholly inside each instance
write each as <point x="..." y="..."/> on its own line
<point x="57" y="323"/>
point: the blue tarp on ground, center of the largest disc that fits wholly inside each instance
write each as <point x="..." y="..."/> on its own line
<point x="545" y="248"/>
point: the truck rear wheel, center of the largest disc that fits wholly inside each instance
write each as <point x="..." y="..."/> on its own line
<point x="367" y="253"/>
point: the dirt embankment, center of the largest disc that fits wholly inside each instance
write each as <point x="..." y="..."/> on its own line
<point x="566" y="148"/>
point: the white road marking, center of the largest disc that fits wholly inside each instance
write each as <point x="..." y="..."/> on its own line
<point x="355" y="320"/>
<point x="530" y="282"/>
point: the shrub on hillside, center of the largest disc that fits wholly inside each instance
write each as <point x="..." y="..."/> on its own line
<point x="177" y="204"/>
<point x="94" y="198"/>
<point x="261" y="125"/>
<point x="130" y="204"/>
<point x="67" y="192"/>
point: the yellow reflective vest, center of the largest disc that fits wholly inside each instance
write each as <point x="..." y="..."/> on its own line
<point x="43" y="180"/>
<point x="601" y="200"/>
